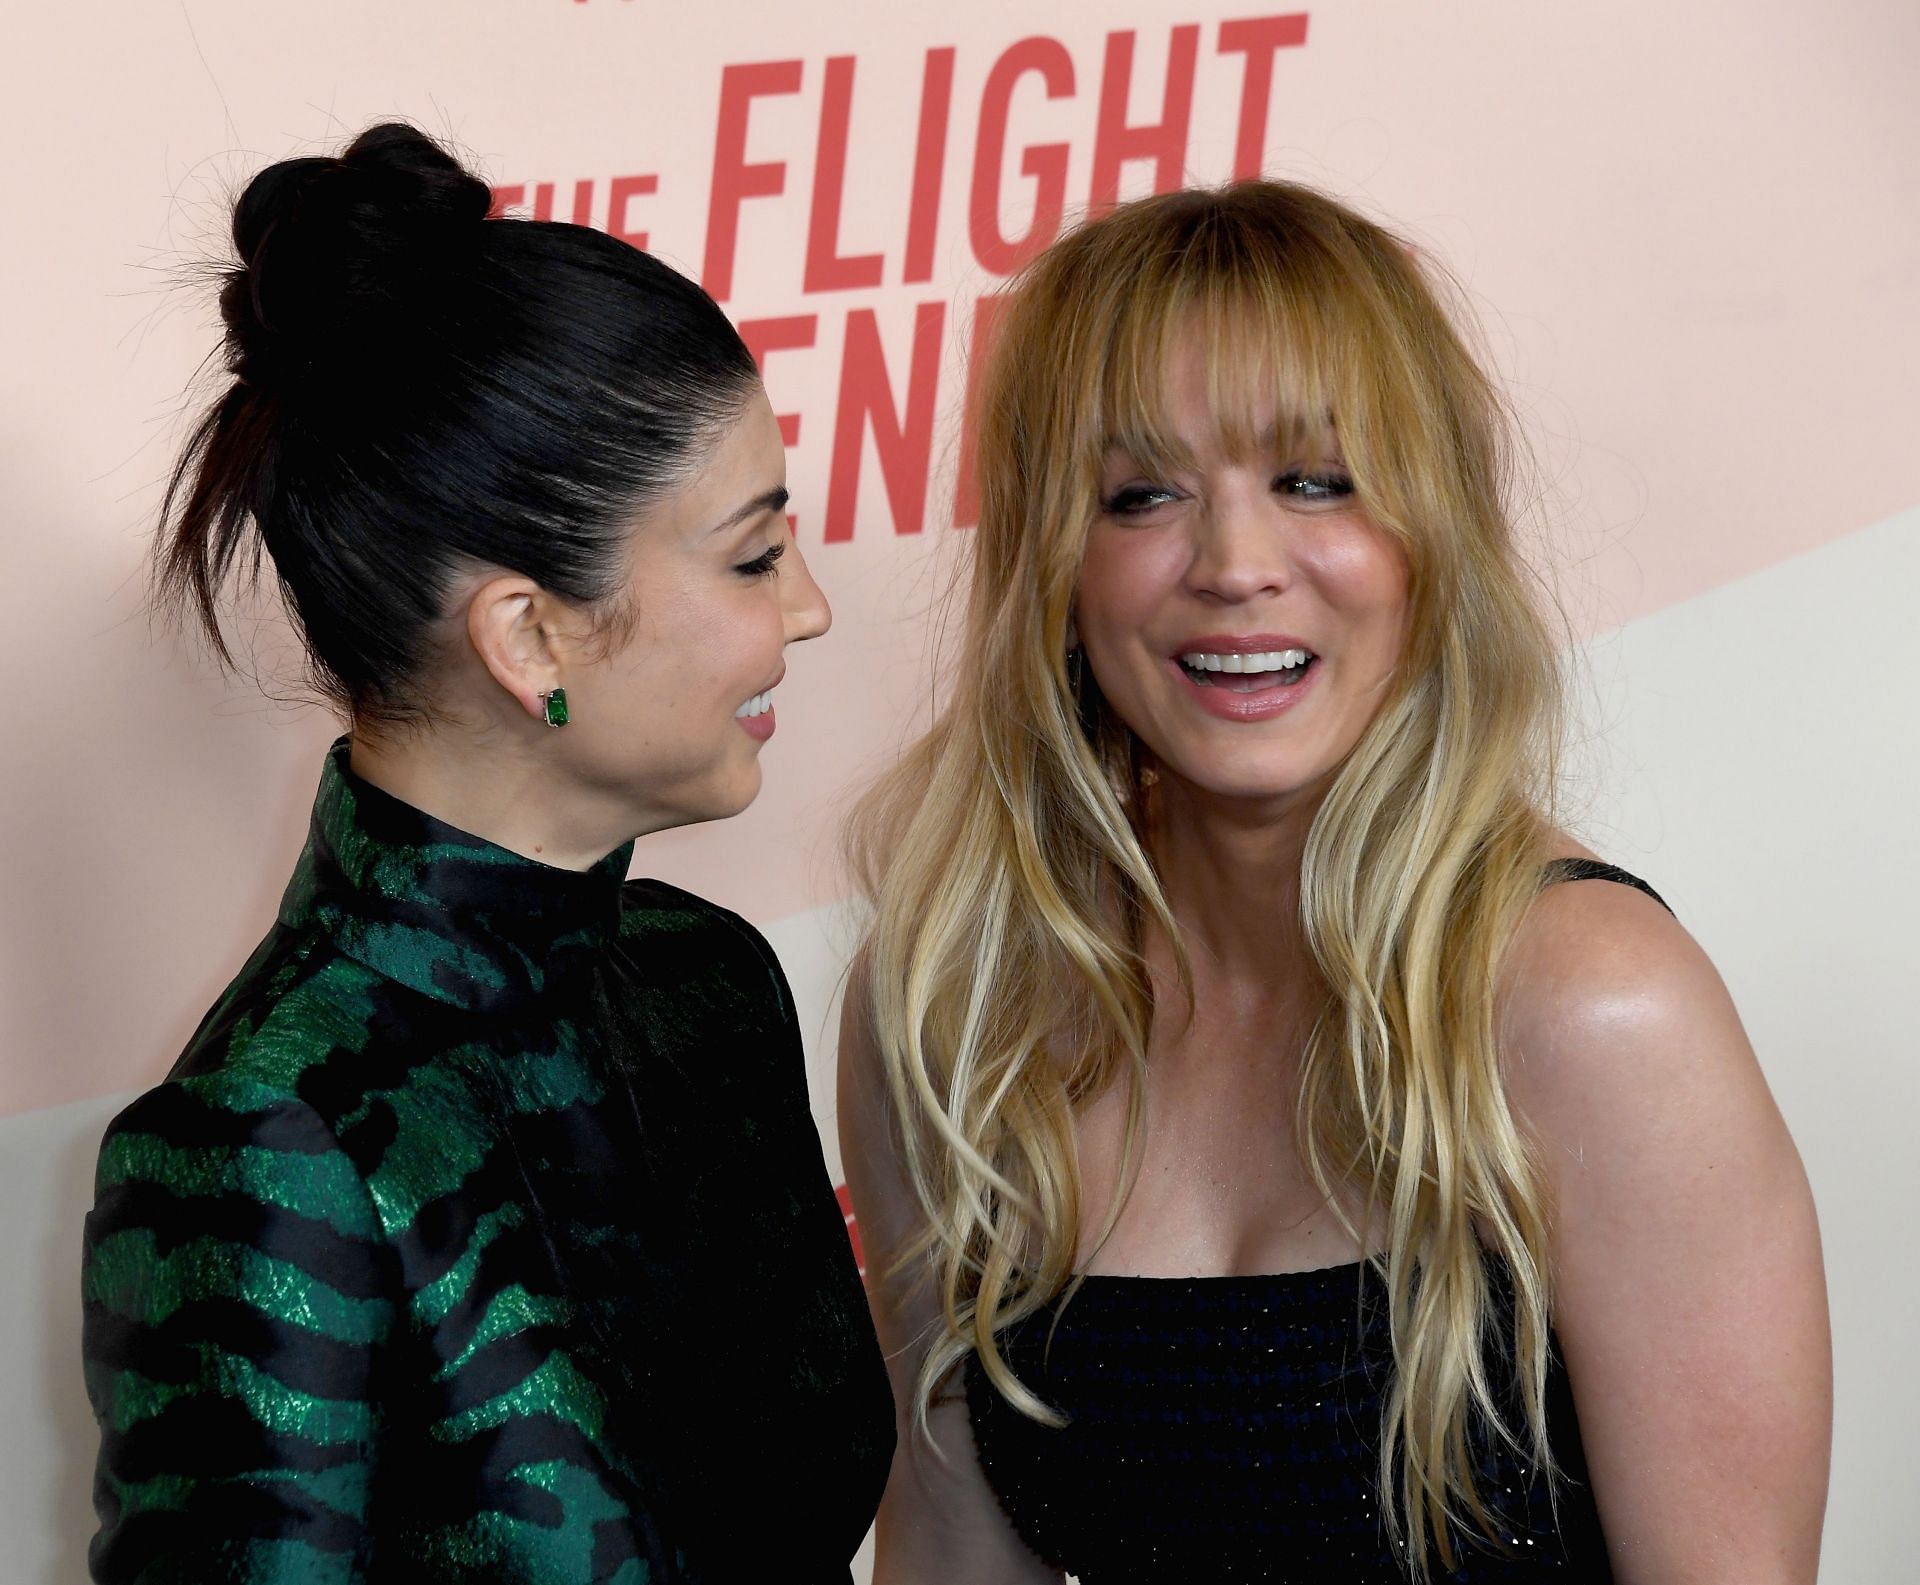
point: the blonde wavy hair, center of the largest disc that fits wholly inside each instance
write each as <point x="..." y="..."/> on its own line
<point x="1007" y="866"/>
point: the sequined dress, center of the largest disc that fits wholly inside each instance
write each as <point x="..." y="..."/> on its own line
<point x="1226" y="1430"/>
<point x="481" y="1233"/>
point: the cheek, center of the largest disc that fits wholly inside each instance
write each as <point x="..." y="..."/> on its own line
<point x="713" y="651"/>
<point x="660" y="681"/>
<point x="1361" y="574"/>
<point x="1124" y="578"/>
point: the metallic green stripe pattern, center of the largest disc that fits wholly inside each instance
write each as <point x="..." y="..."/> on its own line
<point x="480" y="1233"/>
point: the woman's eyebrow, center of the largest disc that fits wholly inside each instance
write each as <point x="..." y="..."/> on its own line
<point x="766" y="501"/>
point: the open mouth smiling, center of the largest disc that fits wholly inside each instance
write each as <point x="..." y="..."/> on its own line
<point x="1247" y="673"/>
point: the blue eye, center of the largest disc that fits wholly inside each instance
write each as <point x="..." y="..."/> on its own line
<point x="762" y="565"/>
<point x="1330" y="486"/>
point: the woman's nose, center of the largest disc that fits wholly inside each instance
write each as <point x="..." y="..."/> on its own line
<point x="1240" y="549"/>
<point x="807" y="613"/>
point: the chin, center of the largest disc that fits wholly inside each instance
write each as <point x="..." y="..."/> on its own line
<point x="710" y="798"/>
<point x="1243" y="783"/>
<point x="740" y="795"/>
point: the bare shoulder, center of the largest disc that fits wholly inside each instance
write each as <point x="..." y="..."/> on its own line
<point x="1593" y="940"/>
<point x="1626" y="1062"/>
<point x="1609" y="1002"/>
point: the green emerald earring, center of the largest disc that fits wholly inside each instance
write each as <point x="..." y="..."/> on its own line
<point x="555" y="701"/>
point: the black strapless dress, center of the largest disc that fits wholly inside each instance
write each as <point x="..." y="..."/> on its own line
<point x="1227" y="1429"/>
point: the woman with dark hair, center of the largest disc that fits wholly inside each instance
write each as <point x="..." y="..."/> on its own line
<point x="482" y="1231"/>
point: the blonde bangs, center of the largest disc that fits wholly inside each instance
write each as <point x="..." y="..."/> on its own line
<point x="1322" y="346"/>
<point x="1207" y="280"/>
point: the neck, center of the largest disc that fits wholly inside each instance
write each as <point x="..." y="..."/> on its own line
<point x="498" y="787"/>
<point x="1231" y="873"/>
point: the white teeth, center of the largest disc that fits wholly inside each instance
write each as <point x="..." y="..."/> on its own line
<point x="759" y="704"/>
<point x="1272" y="660"/>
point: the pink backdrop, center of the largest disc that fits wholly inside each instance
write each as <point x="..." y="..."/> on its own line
<point x="1702" y="292"/>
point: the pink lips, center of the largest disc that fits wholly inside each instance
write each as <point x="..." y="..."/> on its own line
<point x="1240" y="644"/>
<point x="760" y="727"/>
<point x="1229" y="705"/>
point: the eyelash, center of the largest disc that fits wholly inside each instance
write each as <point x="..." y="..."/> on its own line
<point x="1333" y="485"/>
<point x="1134" y="500"/>
<point x="762" y="566"/>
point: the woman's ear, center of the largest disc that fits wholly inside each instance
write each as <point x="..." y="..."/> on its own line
<point x="513" y="625"/>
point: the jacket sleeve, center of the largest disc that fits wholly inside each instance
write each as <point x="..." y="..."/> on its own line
<point x="237" y="1295"/>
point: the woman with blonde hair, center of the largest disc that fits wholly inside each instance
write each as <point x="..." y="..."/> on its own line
<point x="1267" y="1170"/>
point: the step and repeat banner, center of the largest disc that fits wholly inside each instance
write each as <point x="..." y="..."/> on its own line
<point x="1691" y="237"/>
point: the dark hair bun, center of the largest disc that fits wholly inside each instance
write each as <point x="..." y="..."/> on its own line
<point x="336" y="253"/>
<point x="420" y="390"/>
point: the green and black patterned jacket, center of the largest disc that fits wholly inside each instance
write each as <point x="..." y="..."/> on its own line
<point x="481" y="1233"/>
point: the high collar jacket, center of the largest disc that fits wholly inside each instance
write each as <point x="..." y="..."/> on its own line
<point x="482" y="1232"/>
